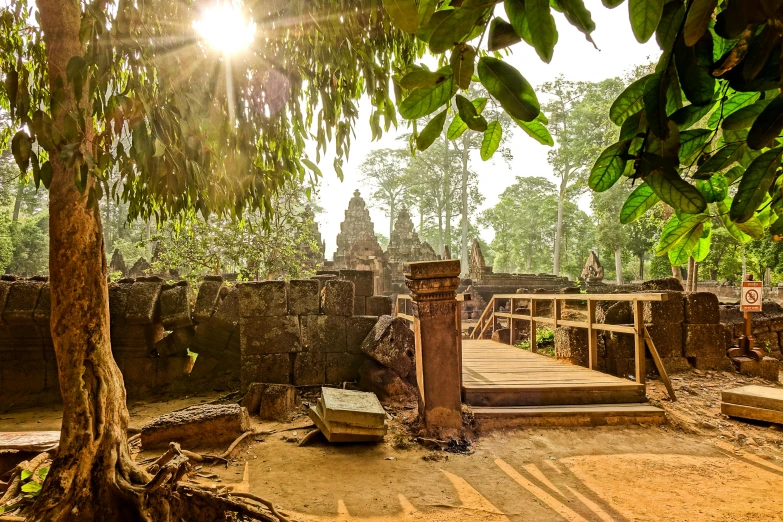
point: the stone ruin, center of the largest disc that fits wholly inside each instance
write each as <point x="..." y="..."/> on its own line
<point x="405" y="247"/>
<point x="593" y="272"/>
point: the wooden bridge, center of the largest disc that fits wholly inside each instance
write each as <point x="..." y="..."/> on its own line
<point x="509" y="386"/>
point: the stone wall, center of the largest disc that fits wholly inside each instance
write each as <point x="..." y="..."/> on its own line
<point x="767" y="327"/>
<point x="307" y="332"/>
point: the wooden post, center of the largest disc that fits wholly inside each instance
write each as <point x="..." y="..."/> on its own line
<point x="495" y="302"/>
<point x="438" y="344"/>
<point x="638" y="336"/>
<point x="592" y="336"/>
<point x="511" y="331"/>
<point x="533" y="313"/>
<point x="555" y="312"/>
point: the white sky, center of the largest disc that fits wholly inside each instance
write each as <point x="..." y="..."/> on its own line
<point x="574" y="57"/>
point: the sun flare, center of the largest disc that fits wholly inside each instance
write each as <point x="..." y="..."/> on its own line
<point x="225" y="28"/>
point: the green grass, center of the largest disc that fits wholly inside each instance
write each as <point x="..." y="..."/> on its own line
<point x="545" y="342"/>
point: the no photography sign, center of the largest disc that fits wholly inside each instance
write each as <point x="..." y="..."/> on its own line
<point x="751" y="296"/>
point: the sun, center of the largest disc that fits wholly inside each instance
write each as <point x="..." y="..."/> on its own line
<point x="225" y="28"/>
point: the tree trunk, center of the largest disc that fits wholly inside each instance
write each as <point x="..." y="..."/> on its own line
<point x="93" y="463"/>
<point x="695" y="276"/>
<point x="464" y="255"/>
<point x="559" y="230"/>
<point x="440" y="232"/>
<point x="744" y="265"/>
<point x="447" y="195"/>
<point x="18" y="202"/>
<point x="618" y="265"/>
<point x="392" y="208"/>
<point x="677" y="272"/>
<point x="641" y="267"/>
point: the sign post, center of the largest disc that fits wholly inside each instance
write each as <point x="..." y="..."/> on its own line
<point x="750" y="301"/>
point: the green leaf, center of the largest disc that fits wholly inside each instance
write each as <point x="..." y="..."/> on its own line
<point x="634" y="126"/>
<point x="26" y="474"/>
<point x="681" y="251"/>
<point x="731" y="227"/>
<point x="422" y="102"/>
<point x="404" y="14"/>
<point x="46" y="174"/>
<point x="714" y="189"/>
<point x="695" y="80"/>
<point x="43" y="472"/>
<point x="675" y="231"/>
<point x="501" y="35"/>
<point x="629" y="102"/>
<point x="515" y="11"/>
<point x="752" y="228"/>
<point x="536" y="130"/>
<point x="426" y="10"/>
<point x="642" y="199"/>
<point x="718" y="161"/>
<point x="699" y="17"/>
<point x="675" y="191"/>
<point x="312" y="166"/>
<point x="542" y="28"/>
<point x="744" y="117"/>
<point x="463" y="61"/>
<point x="692" y="142"/>
<point x="578" y="15"/>
<point x="702" y="249"/>
<point x="509" y="87"/>
<point x="74" y="72"/>
<point x="740" y="99"/>
<point x="469" y="115"/>
<point x="21" y="147"/>
<point x="421" y="79"/>
<point x="431" y="132"/>
<point x="690" y="114"/>
<point x="671" y="21"/>
<point x="645" y="16"/>
<point x="458" y="25"/>
<point x="611" y="4"/>
<point x="456" y="129"/>
<point x="655" y="104"/>
<point x="754" y="184"/>
<point x="767" y="126"/>
<point x="609" y="166"/>
<point x="491" y="141"/>
<point x="32" y="488"/>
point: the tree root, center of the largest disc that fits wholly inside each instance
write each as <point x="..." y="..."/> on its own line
<point x="12" y="498"/>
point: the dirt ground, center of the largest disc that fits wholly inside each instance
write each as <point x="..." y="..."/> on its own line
<point x="699" y="466"/>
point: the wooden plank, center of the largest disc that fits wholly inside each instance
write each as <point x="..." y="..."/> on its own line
<point x="638" y="322"/>
<point x="587" y="297"/>
<point x="579" y="415"/>
<point x="659" y="364"/>
<point x="592" y="337"/>
<point x="532" y="335"/>
<point x="749" y="412"/>
<point x="573" y="324"/>
<point x="617" y="328"/>
<point x="755" y="396"/>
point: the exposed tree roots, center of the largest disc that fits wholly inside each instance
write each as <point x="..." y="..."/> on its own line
<point x="164" y="486"/>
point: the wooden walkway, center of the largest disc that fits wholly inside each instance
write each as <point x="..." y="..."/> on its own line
<point x="496" y="374"/>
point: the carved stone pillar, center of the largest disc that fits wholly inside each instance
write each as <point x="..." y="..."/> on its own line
<point x="438" y="343"/>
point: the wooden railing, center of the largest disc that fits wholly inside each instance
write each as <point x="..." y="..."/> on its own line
<point x="404" y="306"/>
<point x="492" y="314"/>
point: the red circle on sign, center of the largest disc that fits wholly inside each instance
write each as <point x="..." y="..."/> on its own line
<point x="751" y="296"/>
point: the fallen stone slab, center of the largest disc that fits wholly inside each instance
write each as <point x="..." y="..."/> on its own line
<point x="37" y="441"/>
<point x="392" y="343"/>
<point x="352" y="407"/>
<point x="340" y="432"/>
<point x="760" y="403"/>
<point x="270" y="401"/>
<point x="203" y="425"/>
<point x="385" y="383"/>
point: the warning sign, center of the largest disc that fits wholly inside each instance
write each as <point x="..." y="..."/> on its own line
<point x="751" y="296"/>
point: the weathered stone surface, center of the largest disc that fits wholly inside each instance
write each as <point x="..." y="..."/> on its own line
<point x="169" y="369"/>
<point x="43" y="309"/>
<point x="265" y="298"/>
<point x="270" y="401"/>
<point x="139" y="374"/>
<point x="118" y="301"/>
<point x="702" y="308"/>
<point x="197" y="426"/>
<point x="668" y="339"/>
<point x="767" y="368"/>
<point x="619" y="312"/>
<point x="175" y="305"/>
<point x="502" y="335"/>
<point x="363" y="281"/>
<point x="310" y="369"/>
<point x="359" y="305"/>
<point x="392" y="343"/>
<point x="619" y="346"/>
<point x="21" y="302"/>
<point x="139" y="268"/>
<point x="143" y="305"/>
<point x="304" y="297"/>
<point x="671" y="311"/>
<point x="337" y="298"/>
<point x="768" y="341"/>
<point x="135" y="340"/>
<point x="21" y="375"/>
<point x="665" y="283"/>
<point x="323" y="333"/>
<point x="273" y="368"/>
<point x="269" y="334"/>
<point x="676" y="364"/>
<point x="177" y="342"/>
<point x="711" y="363"/>
<point x="378" y="305"/>
<point x="385" y="383"/>
<point x="207" y="299"/>
<point x="356" y="329"/>
<point x="343" y="367"/>
<point x="704" y="340"/>
<point x="571" y="345"/>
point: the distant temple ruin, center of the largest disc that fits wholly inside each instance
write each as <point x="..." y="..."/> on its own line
<point x="404" y="247"/>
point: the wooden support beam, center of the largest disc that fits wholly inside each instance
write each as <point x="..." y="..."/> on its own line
<point x="659" y="364"/>
<point x="638" y="323"/>
<point x="592" y="337"/>
<point x="533" y="313"/>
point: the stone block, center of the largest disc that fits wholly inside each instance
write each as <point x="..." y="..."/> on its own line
<point x="767" y="368"/>
<point x="118" y="301"/>
<point x="392" y="343"/>
<point x="671" y="311"/>
<point x="702" y="308"/>
<point x="207" y="299"/>
<point x="265" y="298"/>
<point x="169" y="369"/>
<point x="143" y="305"/>
<point x="309" y="369"/>
<point x="359" y="305"/>
<point x="619" y="312"/>
<point x="216" y="423"/>
<point x="356" y="329"/>
<point x="227" y="313"/>
<point x="711" y="363"/>
<point x="139" y="374"/>
<point x="304" y="297"/>
<point x="270" y="401"/>
<point x="668" y="339"/>
<point x="5" y="288"/>
<point x="363" y="280"/>
<point x="502" y="335"/>
<point x="759" y="325"/>
<point x="43" y="309"/>
<point x="269" y="334"/>
<point x="704" y="341"/>
<point x="273" y="368"/>
<point x="385" y="383"/>
<point x="343" y="367"/>
<point x="177" y="342"/>
<point x="21" y="302"/>
<point x="23" y="375"/>
<point x="135" y="340"/>
<point x="337" y="298"/>
<point x="175" y="305"/>
<point x="323" y="333"/>
<point x="619" y="346"/>
<point x="621" y="366"/>
<point x="378" y="305"/>
<point x="662" y="284"/>
<point x="571" y="345"/>
<point x="768" y="341"/>
<point x="675" y="364"/>
<point x="211" y="338"/>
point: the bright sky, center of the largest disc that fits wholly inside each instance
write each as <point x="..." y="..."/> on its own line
<point x="574" y="57"/>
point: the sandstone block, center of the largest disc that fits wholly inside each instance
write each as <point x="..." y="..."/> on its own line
<point x="619" y="312"/>
<point x="208" y="299"/>
<point x="343" y="367"/>
<point x="211" y="338"/>
<point x="337" y="298"/>
<point x="359" y="305"/>
<point x="662" y="284"/>
<point x="43" y="309"/>
<point x="263" y="298"/>
<point x="227" y="313"/>
<point x="356" y="329"/>
<point x="139" y="374"/>
<point x="711" y="363"/>
<point x="671" y="311"/>
<point x="619" y="346"/>
<point x="392" y="343"/>
<point x="768" y="341"/>
<point x="502" y="335"/>
<point x="23" y="375"/>
<point x="5" y="288"/>
<point x="177" y="342"/>
<point x="118" y="301"/>
<point x="704" y="340"/>
<point x="363" y="280"/>
<point x="175" y="305"/>
<point x="702" y="308"/>
<point x="270" y="401"/>
<point x="143" y="305"/>
<point x="272" y="368"/>
<point x="675" y="364"/>
<point x="169" y="369"/>
<point x="193" y="426"/>
<point x="21" y="302"/>
<point x="385" y="383"/>
<point x="323" y="333"/>
<point x="309" y="369"/>
<point x="269" y="334"/>
<point x="767" y="368"/>
<point x="378" y="305"/>
<point x="571" y="345"/>
<point x="304" y="297"/>
<point x="668" y="338"/>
